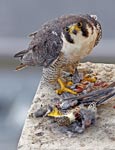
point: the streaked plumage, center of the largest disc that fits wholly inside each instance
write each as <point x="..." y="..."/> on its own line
<point x="60" y="43"/>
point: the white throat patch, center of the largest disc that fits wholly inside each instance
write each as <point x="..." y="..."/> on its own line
<point x="81" y="47"/>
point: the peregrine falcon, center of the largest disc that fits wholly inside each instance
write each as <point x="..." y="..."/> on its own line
<point x="60" y="44"/>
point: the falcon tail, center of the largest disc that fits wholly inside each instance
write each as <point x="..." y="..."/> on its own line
<point x="20" y="56"/>
<point x="21" y="66"/>
<point x="27" y="58"/>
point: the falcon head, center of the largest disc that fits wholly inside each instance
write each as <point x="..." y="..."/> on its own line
<point x="85" y="27"/>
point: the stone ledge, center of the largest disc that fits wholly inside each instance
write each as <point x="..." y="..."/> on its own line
<point x="98" y="137"/>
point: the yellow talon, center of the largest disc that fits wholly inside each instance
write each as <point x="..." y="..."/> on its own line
<point x="64" y="89"/>
<point x="59" y="91"/>
<point x="70" y="91"/>
<point x="69" y="83"/>
<point x="90" y="78"/>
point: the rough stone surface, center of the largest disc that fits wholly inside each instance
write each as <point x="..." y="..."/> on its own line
<point x="38" y="133"/>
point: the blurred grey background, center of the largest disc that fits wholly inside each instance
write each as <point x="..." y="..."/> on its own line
<point x="17" y="20"/>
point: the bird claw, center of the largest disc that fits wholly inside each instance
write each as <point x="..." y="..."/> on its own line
<point x="63" y="88"/>
<point x="90" y="78"/>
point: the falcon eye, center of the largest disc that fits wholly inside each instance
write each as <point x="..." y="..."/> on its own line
<point x="79" y="24"/>
<point x="66" y="29"/>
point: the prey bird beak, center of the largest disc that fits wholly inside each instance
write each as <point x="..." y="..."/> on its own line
<point x="21" y="66"/>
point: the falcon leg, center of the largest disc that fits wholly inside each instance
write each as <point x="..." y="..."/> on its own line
<point x="63" y="88"/>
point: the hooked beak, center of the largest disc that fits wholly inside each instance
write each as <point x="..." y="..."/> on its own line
<point x="74" y="28"/>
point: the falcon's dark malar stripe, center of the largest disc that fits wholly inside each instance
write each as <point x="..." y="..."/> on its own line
<point x="68" y="38"/>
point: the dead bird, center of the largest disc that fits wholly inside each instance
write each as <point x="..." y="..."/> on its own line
<point x="87" y="117"/>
